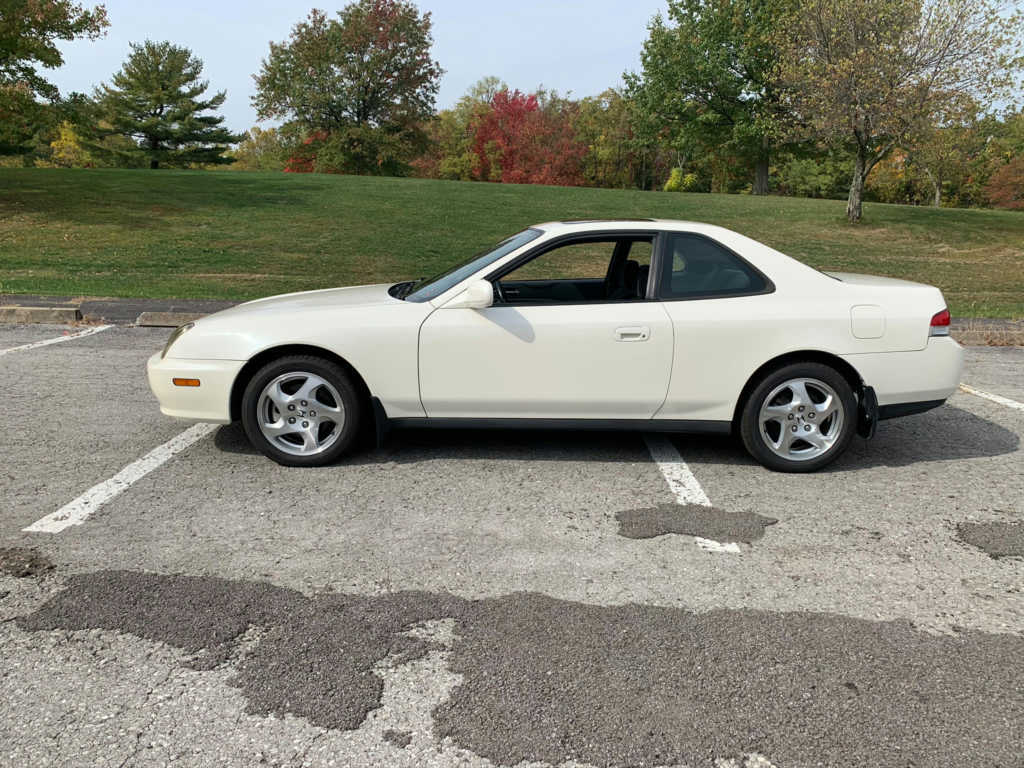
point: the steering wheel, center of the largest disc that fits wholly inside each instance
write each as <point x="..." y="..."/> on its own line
<point x="498" y="292"/>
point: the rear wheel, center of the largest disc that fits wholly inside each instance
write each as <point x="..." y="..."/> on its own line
<point x="799" y="418"/>
<point x="301" y="411"/>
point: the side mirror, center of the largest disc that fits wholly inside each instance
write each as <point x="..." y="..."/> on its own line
<point x="479" y="295"/>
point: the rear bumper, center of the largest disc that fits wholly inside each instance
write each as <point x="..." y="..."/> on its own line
<point x="925" y="377"/>
<point x="895" y="410"/>
<point x="209" y="402"/>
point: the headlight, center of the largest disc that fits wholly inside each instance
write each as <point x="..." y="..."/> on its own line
<point x="174" y="337"/>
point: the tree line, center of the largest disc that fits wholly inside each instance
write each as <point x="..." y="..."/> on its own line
<point x="895" y="100"/>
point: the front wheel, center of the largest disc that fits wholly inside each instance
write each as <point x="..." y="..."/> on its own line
<point x="799" y="418"/>
<point x="301" y="411"/>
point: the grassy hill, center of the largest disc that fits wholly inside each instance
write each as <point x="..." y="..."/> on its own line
<point x="239" y="235"/>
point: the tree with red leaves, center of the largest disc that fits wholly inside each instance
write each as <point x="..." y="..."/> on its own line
<point x="528" y="139"/>
<point x="1006" y="187"/>
<point x="304" y="158"/>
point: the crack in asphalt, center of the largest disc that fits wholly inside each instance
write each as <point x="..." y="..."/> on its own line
<point x="693" y="520"/>
<point x="550" y="680"/>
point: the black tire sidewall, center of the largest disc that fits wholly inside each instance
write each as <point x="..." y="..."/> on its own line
<point x="330" y="372"/>
<point x="750" y="429"/>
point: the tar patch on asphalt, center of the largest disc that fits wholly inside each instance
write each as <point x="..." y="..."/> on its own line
<point x="995" y="539"/>
<point x="23" y="563"/>
<point x="555" y="681"/>
<point x="400" y="739"/>
<point x="693" y="520"/>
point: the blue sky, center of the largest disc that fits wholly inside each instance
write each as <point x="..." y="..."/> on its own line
<point x="582" y="46"/>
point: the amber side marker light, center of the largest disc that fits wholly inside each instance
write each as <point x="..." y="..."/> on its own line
<point x="186" y="382"/>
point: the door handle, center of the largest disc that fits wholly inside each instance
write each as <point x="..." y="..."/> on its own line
<point x="633" y="333"/>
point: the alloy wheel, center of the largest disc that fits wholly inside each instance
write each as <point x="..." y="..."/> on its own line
<point x="300" y="413"/>
<point x="801" y="419"/>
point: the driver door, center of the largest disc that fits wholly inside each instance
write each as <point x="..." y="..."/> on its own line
<point x="555" y="346"/>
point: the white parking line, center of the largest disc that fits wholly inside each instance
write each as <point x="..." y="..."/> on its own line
<point x="76" y="512"/>
<point x="684" y="485"/>
<point x="729" y="547"/>
<point x="994" y="398"/>
<point x="680" y="479"/>
<point x="57" y="340"/>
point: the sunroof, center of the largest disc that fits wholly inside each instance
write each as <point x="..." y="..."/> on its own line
<point x="598" y="221"/>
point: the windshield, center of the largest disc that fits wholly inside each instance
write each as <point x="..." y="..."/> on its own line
<point x="425" y="290"/>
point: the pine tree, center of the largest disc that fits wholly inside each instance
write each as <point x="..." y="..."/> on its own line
<point x="157" y="100"/>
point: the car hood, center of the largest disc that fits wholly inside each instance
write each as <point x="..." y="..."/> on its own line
<point x="315" y="318"/>
<point x="329" y="298"/>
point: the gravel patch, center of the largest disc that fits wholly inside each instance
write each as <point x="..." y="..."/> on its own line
<point x="552" y="680"/>
<point x="23" y="563"/>
<point x="400" y="739"/>
<point x="693" y="520"/>
<point x="996" y="539"/>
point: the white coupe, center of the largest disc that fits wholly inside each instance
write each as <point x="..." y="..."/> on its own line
<point x="643" y="325"/>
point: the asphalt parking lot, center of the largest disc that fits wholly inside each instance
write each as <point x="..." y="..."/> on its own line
<point x="499" y="598"/>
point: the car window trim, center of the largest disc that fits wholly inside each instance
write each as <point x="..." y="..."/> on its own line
<point x="662" y="255"/>
<point x="654" y="236"/>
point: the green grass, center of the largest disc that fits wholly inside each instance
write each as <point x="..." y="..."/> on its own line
<point x="238" y="235"/>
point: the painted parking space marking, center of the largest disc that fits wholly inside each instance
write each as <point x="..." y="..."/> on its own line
<point x="57" y="340"/>
<point x="78" y="511"/>
<point x="994" y="398"/>
<point x="684" y="485"/>
<point x="730" y="548"/>
<point x="680" y="479"/>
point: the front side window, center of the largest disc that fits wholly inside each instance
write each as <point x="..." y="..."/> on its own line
<point x="425" y="290"/>
<point x="588" y="269"/>
<point x="576" y="261"/>
<point x="697" y="267"/>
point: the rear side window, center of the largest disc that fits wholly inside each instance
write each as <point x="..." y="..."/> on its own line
<point x="697" y="267"/>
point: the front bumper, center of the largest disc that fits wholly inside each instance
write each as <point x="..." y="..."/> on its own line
<point x="209" y="402"/>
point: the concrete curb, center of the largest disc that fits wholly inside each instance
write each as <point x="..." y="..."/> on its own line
<point x="106" y="311"/>
<point x="167" y="319"/>
<point x="988" y="332"/>
<point x="55" y="315"/>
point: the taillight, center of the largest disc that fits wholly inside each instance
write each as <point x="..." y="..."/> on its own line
<point x="940" y="323"/>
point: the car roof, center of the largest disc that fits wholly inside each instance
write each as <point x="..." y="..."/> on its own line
<point x="605" y="225"/>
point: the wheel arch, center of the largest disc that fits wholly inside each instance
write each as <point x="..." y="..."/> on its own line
<point x="273" y="353"/>
<point x="841" y="366"/>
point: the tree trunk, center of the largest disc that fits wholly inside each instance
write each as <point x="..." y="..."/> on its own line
<point x="761" y="170"/>
<point x="854" y="206"/>
<point x="719" y="177"/>
<point x="936" y="187"/>
<point x="154" y="164"/>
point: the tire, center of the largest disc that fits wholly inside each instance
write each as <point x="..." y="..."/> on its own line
<point x="302" y="411"/>
<point x="781" y="422"/>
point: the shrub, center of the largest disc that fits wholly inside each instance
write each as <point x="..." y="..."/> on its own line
<point x="1006" y="187"/>
<point x="811" y="177"/>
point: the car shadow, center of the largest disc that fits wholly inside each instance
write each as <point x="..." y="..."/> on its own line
<point x="946" y="434"/>
<point x="407" y="446"/>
